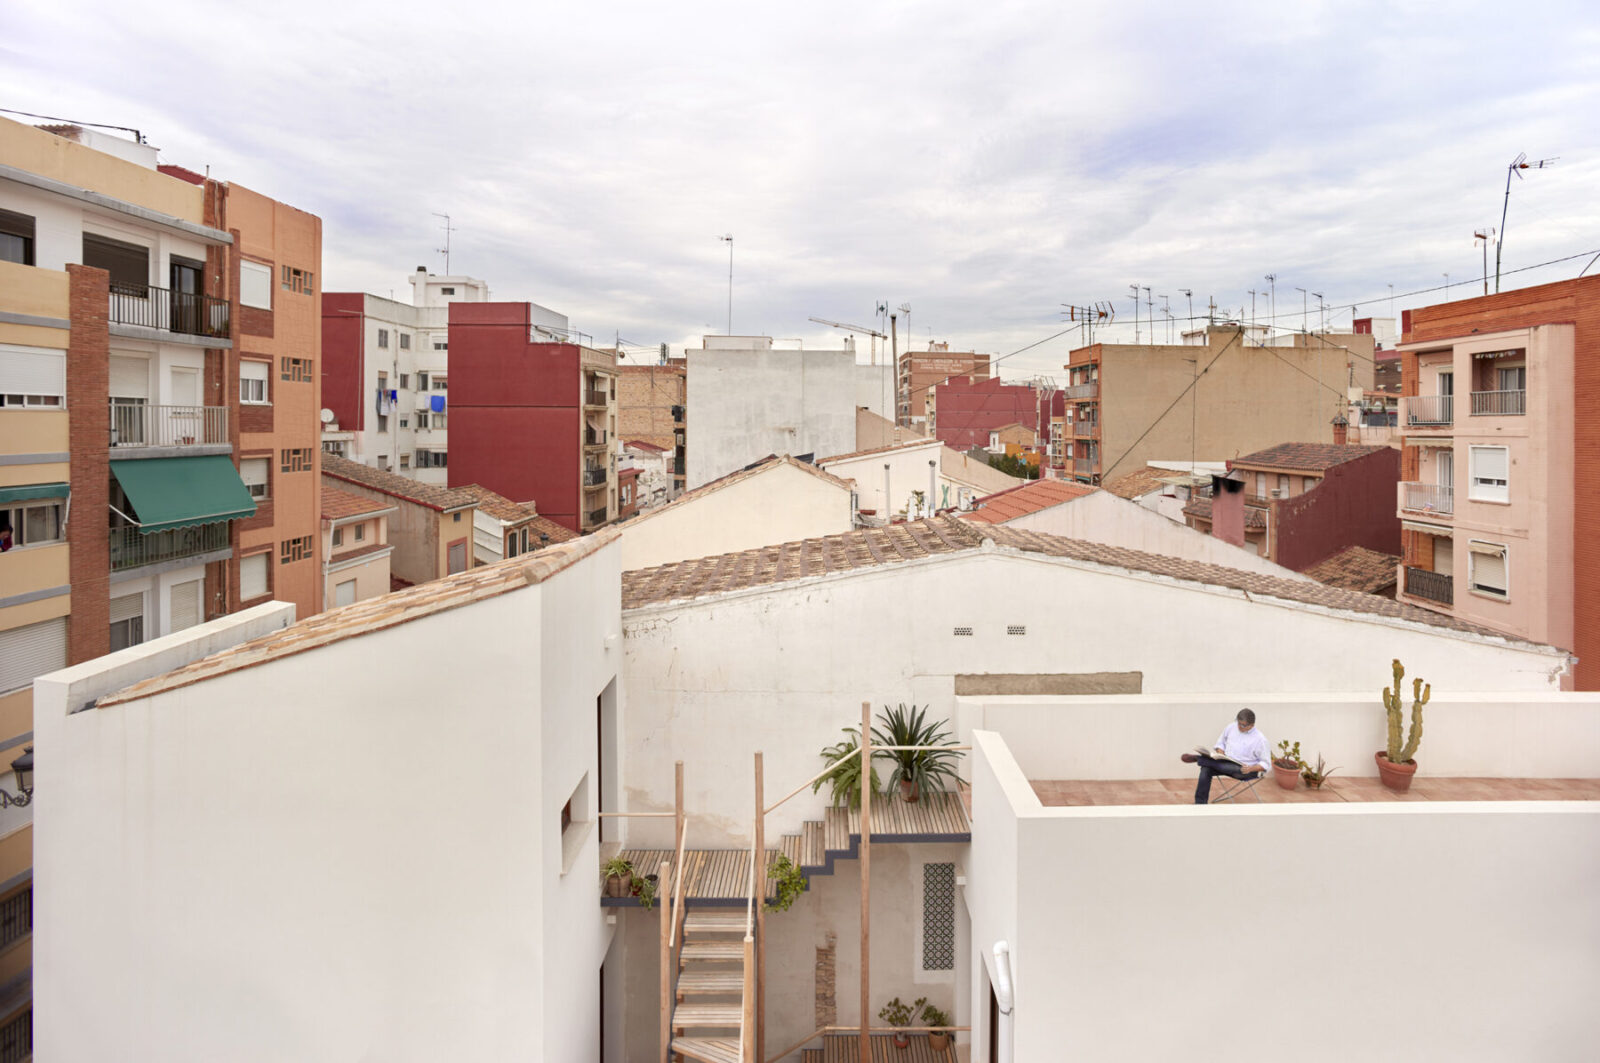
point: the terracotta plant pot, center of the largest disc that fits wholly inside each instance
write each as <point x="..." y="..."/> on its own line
<point x="939" y="1042"/>
<point x="902" y="1040"/>
<point x="910" y="791"/>
<point x="1286" y="773"/>
<point x="618" y="886"/>
<point x="1396" y="777"/>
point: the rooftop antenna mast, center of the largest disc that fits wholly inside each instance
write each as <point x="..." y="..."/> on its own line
<point x="445" y="250"/>
<point x="1134" y="288"/>
<point x="1272" y="305"/>
<point x="1518" y="164"/>
<point x="1484" y="235"/>
<point x="727" y="238"/>
<point x="1102" y="313"/>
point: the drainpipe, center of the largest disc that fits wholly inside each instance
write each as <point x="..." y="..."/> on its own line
<point x="888" y="498"/>
<point x="1003" y="996"/>
<point x="933" y="506"/>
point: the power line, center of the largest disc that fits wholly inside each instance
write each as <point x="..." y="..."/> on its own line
<point x="1162" y="415"/>
<point x="73" y="121"/>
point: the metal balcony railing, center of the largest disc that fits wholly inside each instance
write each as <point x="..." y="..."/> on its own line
<point x="1091" y="390"/>
<point x="1428" y="498"/>
<point x="594" y="477"/>
<point x="137" y="424"/>
<point x="594" y="437"/>
<point x="169" y="311"/>
<point x="132" y="549"/>
<point x="1083" y="466"/>
<point x="1499" y="403"/>
<point x="1429" y="411"/>
<point x="1434" y="586"/>
<point x="594" y="397"/>
<point x="1086" y="429"/>
<point x="597" y="516"/>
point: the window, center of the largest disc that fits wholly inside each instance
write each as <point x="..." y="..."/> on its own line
<point x="338" y="537"/>
<point x="128" y="264"/>
<point x="511" y="545"/>
<point x="1261" y="485"/>
<point x="127" y="621"/>
<point x="383" y="422"/>
<point x="30" y="651"/>
<point x="33" y="377"/>
<point x="297" y="280"/>
<point x="1512" y="378"/>
<point x="253" y="571"/>
<point x="33" y="523"/>
<point x="16" y="238"/>
<point x="1283" y="486"/>
<point x="405" y="345"/>
<point x="383" y="337"/>
<point x="938" y="917"/>
<point x="1490" y="471"/>
<point x="361" y="532"/>
<point x="253" y="382"/>
<point x="291" y="550"/>
<point x="297" y="370"/>
<point x="405" y="461"/>
<point x="298" y="459"/>
<point x="432" y="459"/>
<point x="422" y="382"/>
<point x="440" y="345"/>
<point x="456" y="557"/>
<point x="403" y="422"/>
<point x="1487" y="568"/>
<point x="255" y="285"/>
<point x="439" y="382"/>
<point x="423" y="420"/>
<point x="345" y="593"/>
<point x="405" y="378"/>
<point x="184" y="604"/>
<point x="254" y="472"/>
<point x="447" y="291"/>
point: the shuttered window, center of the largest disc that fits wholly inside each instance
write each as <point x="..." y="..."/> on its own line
<point x="253" y="471"/>
<point x="344" y="593"/>
<point x="130" y="378"/>
<point x="253" y="577"/>
<point x="32" y="371"/>
<point x="1491" y="474"/>
<point x="31" y="651"/>
<point x="253" y="382"/>
<point x="1488" y="562"/>
<point x="255" y="285"/>
<point x="186" y="604"/>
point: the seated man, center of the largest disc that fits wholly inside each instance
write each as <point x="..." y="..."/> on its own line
<point x="1241" y="743"/>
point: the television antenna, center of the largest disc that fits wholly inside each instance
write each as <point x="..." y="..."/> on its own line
<point x="445" y="250"/>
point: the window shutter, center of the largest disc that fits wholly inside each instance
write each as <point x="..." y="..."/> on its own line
<point x="249" y="370"/>
<point x="130" y="378"/>
<point x="31" y="651"/>
<point x="127" y="607"/>
<point x="252" y="577"/>
<point x="255" y="285"/>
<point x="253" y="471"/>
<point x="1493" y="463"/>
<point x="1489" y="570"/>
<point x="186" y="604"/>
<point x="32" y="370"/>
<point x="344" y="593"/>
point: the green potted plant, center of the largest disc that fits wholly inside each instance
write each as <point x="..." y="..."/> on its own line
<point x="1397" y="764"/>
<point x="1286" y="766"/>
<point x="844" y="782"/>
<point x="915" y="770"/>
<point x="619" y="877"/>
<point x="645" y="889"/>
<point x="938" y="1040"/>
<point x="788" y="880"/>
<point x="1315" y="777"/>
<point x="899" y="1014"/>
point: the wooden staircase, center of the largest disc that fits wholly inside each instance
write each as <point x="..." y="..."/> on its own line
<point x="708" y="1006"/>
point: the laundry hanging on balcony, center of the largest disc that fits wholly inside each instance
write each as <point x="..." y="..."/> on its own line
<point x="182" y="492"/>
<point x="436" y="403"/>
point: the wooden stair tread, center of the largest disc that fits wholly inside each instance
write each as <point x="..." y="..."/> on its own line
<point x="714" y="920"/>
<point x="791" y="847"/>
<point x="713" y="950"/>
<point x="696" y="982"/>
<point x="811" y="1055"/>
<point x="708" y="1049"/>
<point x="837" y="829"/>
<point x="704" y="1013"/>
<point x="811" y="850"/>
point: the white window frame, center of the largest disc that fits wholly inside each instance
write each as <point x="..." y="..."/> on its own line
<point x="30" y="651"/>
<point x="255" y="285"/>
<point x="1487" y="488"/>
<point x="253" y="387"/>
<point x="16" y="513"/>
<point x="383" y="338"/>
<point x="32" y="377"/>
<point x="1477" y="548"/>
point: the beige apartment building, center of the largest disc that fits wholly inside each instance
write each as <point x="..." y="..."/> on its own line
<point x="158" y="386"/>
<point x="1134" y="403"/>
<point x="918" y="372"/>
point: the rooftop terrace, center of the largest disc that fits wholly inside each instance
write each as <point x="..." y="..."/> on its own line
<point x="1059" y="793"/>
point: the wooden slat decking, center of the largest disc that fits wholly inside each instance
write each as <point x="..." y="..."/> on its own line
<point x="842" y="1048"/>
<point x="708" y="1049"/>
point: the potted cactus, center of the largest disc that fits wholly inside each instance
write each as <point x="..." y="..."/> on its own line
<point x="1287" y="765"/>
<point x="1397" y="764"/>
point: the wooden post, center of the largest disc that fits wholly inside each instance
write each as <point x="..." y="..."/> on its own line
<point x="864" y="1043"/>
<point x="751" y="1052"/>
<point x="664" y="897"/>
<point x="760" y="857"/>
<point x="677" y="806"/>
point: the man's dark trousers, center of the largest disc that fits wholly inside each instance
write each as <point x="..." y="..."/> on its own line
<point x="1210" y="766"/>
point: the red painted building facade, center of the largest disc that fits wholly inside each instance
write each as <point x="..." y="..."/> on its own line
<point x="964" y="413"/>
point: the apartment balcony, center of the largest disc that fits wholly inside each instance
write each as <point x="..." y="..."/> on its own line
<point x="1091" y="390"/>
<point x="1086" y="429"/>
<point x="1084" y="466"/>
<point x="131" y="549"/>
<point x="1432" y="499"/>
<point x="1429" y="586"/>
<point x="593" y="477"/>
<point x="595" y="517"/>
<point x="594" y="398"/>
<point x="1500" y="403"/>
<point x="136" y="424"/>
<point x="594" y="437"/>
<point x="1427" y="411"/>
<point x="184" y="313"/>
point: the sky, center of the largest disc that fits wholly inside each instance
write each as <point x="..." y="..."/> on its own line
<point x="983" y="164"/>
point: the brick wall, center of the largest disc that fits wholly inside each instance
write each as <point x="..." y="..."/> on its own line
<point x="89" y="438"/>
<point x="645" y="397"/>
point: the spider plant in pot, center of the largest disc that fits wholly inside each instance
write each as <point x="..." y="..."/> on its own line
<point x="844" y="781"/>
<point x="916" y="770"/>
<point x="619" y="877"/>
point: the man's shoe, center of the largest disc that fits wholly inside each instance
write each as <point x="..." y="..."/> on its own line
<point x="1190" y="758"/>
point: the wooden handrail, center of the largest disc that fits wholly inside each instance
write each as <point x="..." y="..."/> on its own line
<point x="823" y="1030"/>
<point x="808" y="1038"/>
<point x="659" y="815"/>
<point x="674" y="909"/>
<point x="665" y="878"/>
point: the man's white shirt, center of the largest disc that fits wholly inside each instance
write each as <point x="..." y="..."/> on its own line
<point x="1247" y="747"/>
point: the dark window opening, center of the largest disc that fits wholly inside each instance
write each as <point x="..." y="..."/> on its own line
<point x="128" y="264"/>
<point x="16" y="238"/>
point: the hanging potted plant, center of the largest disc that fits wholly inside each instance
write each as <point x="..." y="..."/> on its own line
<point x="844" y="781"/>
<point x="1287" y="764"/>
<point x="1397" y="764"/>
<point x="619" y="877"/>
<point x="916" y="771"/>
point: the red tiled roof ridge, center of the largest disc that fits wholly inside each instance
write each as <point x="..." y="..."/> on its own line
<point x="1025" y="498"/>
<point x="1312" y="457"/>
<point x="390" y="483"/>
<point x="338" y="504"/>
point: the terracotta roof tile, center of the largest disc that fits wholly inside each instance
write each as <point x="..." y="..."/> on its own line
<point x="1140" y="482"/>
<point x="339" y="505"/>
<point x="1255" y="518"/>
<point x="1312" y="457"/>
<point x="431" y="495"/>
<point x="869" y="548"/>
<point x="499" y="506"/>
<point x="742" y="474"/>
<point x="1027" y="498"/>
<point x="1358" y="569"/>
<point x="641" y="444"/>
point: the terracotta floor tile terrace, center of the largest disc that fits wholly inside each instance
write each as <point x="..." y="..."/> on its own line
<point x="1069" y="792"/>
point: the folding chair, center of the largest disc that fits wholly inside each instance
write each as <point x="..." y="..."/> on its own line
<point x="1241" y="785"/>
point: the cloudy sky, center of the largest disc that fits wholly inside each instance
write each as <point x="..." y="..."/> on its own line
<point x="983" y="163"/>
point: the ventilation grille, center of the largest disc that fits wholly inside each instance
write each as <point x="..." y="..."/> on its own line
<point x="965" y="632"/>
<point x="1016" y="629"/>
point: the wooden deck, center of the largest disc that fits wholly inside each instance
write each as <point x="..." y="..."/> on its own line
<point x="842" y="1048"/>
<point x="721" y="876"/>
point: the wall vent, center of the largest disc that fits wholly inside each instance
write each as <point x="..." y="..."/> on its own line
<point x="1016" y="629"/>
<point x="963" y="631"/>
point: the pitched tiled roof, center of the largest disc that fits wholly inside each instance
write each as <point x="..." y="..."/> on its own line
<point x="877" y="450"/>
<point x="742" y="474"/>
<point x="339" y="505"/>
<point x="1255" y="518"/>
<point x="499" y="506"/>
<point x="431" y="495"/>
<point x="1030" y="497"/>
<point x="872" y="548"/>
<point x="1358" y="569"/>
<point x="1139" y="482"/>
<point x="374" y="614"/>
<point x="1312" y="457"/>
<point x="640" y="444"/>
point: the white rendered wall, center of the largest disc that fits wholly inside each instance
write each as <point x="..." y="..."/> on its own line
<point x="745" y="404"/>
<point x="784" y="668"/>
<point x="1102" y="517"/>
<point x="875" y="390"/>
<point x="908" y="473"/>
<point x="1452" y="930"/>
<point x="778" y="505"/>
<point x="340" y="854"/>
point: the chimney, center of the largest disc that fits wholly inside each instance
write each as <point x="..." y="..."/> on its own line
<point x="1341" y="430"/>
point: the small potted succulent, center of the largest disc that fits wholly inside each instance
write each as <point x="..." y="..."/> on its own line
<point x="1315" y="777"/>
<point x="1397" y="764"/>
<point x="1287" y="765"/>
<point x="619" y="877"/>
<point x="938" y="1040"/>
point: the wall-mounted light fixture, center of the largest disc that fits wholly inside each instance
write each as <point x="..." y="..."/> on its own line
<point x="23" y="767"/>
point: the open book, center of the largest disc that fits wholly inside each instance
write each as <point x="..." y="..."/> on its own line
<point x="1214" y="755"/>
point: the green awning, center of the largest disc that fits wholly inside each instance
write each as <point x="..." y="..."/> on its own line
<point x="31" y="492"/>
<point x="182" y="492"/>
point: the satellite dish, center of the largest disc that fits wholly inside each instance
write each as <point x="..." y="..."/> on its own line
<point x="327" y="416"/>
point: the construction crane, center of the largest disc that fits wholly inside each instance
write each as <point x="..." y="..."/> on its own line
<point x="874" y="333"/>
